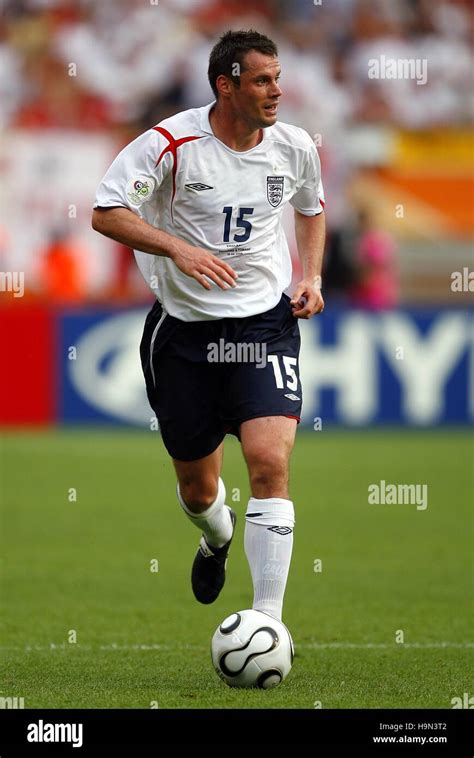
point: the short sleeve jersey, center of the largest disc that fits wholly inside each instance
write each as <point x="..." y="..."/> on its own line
<point x="181" y="179"/>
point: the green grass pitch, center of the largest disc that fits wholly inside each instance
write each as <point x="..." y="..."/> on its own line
<point x="388" y="572"/>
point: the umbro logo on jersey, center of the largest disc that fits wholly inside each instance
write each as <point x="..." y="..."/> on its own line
<point x="280" y="529"/>
<point x="275" y="190"/>
<point x="290" y="396"/>
<point x="197" y="186"/>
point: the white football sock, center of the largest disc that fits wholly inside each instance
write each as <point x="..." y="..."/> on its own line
<point x="215" y="522"/>
<point x="268" y="542"/>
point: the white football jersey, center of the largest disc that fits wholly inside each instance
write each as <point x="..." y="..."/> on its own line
<point x="181" y="179"/>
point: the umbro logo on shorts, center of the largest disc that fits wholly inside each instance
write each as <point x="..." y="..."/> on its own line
<point x="292" y="397"/>
<point x="280" y="529"/>
<point x="198" y="186"/>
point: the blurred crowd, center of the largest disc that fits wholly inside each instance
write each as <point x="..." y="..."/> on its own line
<point x="119" y="66"/>
<point x="129" y="62"/>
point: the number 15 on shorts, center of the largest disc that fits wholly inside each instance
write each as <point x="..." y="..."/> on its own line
<point x="290" y="374"/>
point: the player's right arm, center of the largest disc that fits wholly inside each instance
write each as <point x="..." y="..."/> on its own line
<point x="127" y="189"/>
<point x="125" y="226"/>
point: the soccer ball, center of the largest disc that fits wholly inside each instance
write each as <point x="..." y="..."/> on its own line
<point x="252" y="649"/>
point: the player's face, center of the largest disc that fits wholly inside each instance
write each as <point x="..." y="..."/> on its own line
<point x="256" y="100"/>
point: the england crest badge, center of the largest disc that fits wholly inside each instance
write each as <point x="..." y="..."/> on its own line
<point x="275" y="190"/>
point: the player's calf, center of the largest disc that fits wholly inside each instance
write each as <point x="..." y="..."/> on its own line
<point x="217" y="523"/>
<point x="268" y="541"/>
<point x="198" y="494"/>
<point x="269" y="521"/>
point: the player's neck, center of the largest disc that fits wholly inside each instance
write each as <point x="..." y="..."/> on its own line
<point x="232" y="131"/>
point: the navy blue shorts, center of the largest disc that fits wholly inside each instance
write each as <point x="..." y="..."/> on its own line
<point x="204" y="378"/>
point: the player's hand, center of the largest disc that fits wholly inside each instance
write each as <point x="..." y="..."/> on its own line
<point x="307" y="299"/>
<point x="201" y="265"/>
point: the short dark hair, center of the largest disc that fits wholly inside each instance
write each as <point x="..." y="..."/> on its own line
<point x="231" y="49"/>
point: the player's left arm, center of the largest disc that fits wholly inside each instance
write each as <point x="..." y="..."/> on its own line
<point x="310" y="237"/>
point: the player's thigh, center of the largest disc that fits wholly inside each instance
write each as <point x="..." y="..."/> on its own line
<point x="182" y="386"/>
<point x="198" y="480"/>
<point x="186" y="403"/>
<point x="267" y="443"/>
<point x="271" y="386"/>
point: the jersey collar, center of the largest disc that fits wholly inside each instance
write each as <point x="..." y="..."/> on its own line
<point x="205" y="126"/>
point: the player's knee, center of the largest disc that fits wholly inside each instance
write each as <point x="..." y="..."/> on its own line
<point x="198" y="494"/>
<point x="268" y="472"/>
<point x="266" y="484"/>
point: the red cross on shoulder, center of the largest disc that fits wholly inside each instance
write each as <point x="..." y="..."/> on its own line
<point x="172" y="147"/>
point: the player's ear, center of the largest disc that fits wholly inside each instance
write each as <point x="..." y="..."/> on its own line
<point x="224" y="85"/>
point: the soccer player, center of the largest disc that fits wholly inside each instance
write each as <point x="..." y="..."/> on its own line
<point x="199" y="198"/>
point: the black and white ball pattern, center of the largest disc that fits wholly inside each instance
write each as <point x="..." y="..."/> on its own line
<point x="252" y="649"/>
